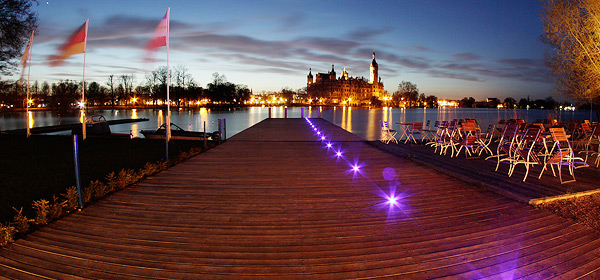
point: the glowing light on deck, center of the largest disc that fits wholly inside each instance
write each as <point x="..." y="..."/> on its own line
<point x="338" y="154"/>
<point x="322" y="137"/>
<point x="328" y="145"/>
<point x="355" y="168"/>
<point x="392" y="200"/>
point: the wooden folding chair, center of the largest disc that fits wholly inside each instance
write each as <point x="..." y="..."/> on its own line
<point x="527" y="151"/>
<point x="562" y="155"/>
<point x="428" y="133"/>
<point x="485" y="140"/>
<point x="414" y="129"/>
<point x="592" y="145"/>
<point x="469" y="140"/>
<point x="506" y="145"/>
<point x="450" y="138"/>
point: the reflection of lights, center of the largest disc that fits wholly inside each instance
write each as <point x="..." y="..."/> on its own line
<point x="30" y="119"/>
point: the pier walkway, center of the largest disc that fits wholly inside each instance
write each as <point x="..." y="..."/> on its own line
<point x="273" y="202"/>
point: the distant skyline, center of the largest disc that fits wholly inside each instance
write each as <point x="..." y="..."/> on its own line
<point x="450" y="49"/>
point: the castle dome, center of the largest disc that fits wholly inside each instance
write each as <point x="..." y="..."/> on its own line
<point x="374" y="63"/>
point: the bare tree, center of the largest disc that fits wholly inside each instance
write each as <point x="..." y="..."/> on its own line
<point x="571" y="30"/>
<point x="111" y="84"/>
<point x="16" y="22"/>
<point x="127" y="84"/>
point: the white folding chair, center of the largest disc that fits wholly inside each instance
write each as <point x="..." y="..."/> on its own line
<point x="387" y="134"/>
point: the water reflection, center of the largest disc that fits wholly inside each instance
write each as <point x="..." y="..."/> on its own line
<point x="30" y="119"/>
<point x="361" y="121"/>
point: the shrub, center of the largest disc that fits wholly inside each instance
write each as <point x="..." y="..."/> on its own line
<point x="7" y="234"/>
<point x="111" y="181"/>
<point x="56" y="209"/>
<point x="86" y="195"/>
<point x="126" y="177"/>
<point x="20" y="222"/>
<point x="42" y="208"/>
<point x="71" y="198"/>
<point x="99" y="189"/>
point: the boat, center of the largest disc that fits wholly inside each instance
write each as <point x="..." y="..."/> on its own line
<point x="177" y="133"/>
<point x="94" y="125"/>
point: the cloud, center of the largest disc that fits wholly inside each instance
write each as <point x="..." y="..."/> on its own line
<point x="521" y="62"/>
<point x="365" y="34"/>
<point x="422" y="48"/>
<point x="452" y="75"/>
<point x="467" y="56"/>
<point x="292" y="22"/>
<point x="331" y="45"/>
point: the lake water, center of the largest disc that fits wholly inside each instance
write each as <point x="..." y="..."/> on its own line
<point x="361" y="121"/>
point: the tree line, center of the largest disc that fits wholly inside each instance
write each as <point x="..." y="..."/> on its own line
<point x="120" y="90"/>
<point x="408" y="96"/>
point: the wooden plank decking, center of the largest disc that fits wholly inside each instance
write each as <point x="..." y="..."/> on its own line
<point x="273" y="203"/>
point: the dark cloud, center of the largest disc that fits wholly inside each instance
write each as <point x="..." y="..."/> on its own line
<point x="521" y="62"/>
<point x="452" y="75"/>
<point x="292" y="22"/>
<point x="467" y="56"/>
<point x="331" y="45"/>
<point x="422" y="48"/>
<point x="365" y="34"/>
<point x="529" y="70"/>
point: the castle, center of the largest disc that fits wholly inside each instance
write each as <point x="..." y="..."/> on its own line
<point x="345" y="90"/>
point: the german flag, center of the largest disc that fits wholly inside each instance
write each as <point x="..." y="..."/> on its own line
<point x="74" y="45"/>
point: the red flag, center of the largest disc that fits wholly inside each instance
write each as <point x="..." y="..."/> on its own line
<point x="160" y="38"/>
<point x="74" y="45"/>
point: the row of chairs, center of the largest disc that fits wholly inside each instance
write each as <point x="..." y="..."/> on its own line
<point x="532" y="147"/>
<point x="518" y="143"/>
<point x="455" y="136"/>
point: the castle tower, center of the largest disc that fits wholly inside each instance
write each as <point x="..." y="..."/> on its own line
<point x="309" y="78"/>
<point x="374" y="71"/>
<point x="332" y="73"/>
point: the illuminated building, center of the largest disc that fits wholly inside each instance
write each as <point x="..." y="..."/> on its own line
<point x="345" y="89"/>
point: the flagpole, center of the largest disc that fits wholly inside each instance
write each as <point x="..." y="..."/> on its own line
<point x="83" y="121"/>
<point x="28" y="75"/>
<point x="168" y="127"/>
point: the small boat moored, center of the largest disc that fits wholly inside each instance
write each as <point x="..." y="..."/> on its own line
<point x="95" y="125"/>
<point x="177" y="133"/>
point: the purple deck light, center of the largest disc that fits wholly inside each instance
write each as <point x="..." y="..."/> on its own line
<point x="355" y="168"/>
<point x="338" y="154"/>
<point x="392" y="200"/>
<point x="322" y="137"/>
<point x="328" y="145"/>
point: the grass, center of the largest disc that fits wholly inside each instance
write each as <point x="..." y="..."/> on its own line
<point x="42" y="166"/>
<point x="583" y="209"/>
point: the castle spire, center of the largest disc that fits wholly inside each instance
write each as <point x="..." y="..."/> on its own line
<point x="374" y="69"/>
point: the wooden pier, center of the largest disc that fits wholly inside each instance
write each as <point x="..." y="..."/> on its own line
<point x="274" y="202"/>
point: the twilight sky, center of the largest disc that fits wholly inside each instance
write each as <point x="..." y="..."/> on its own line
<point x="450" y="48"/>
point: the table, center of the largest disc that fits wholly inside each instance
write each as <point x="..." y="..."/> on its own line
<point x="404" y="128"/>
